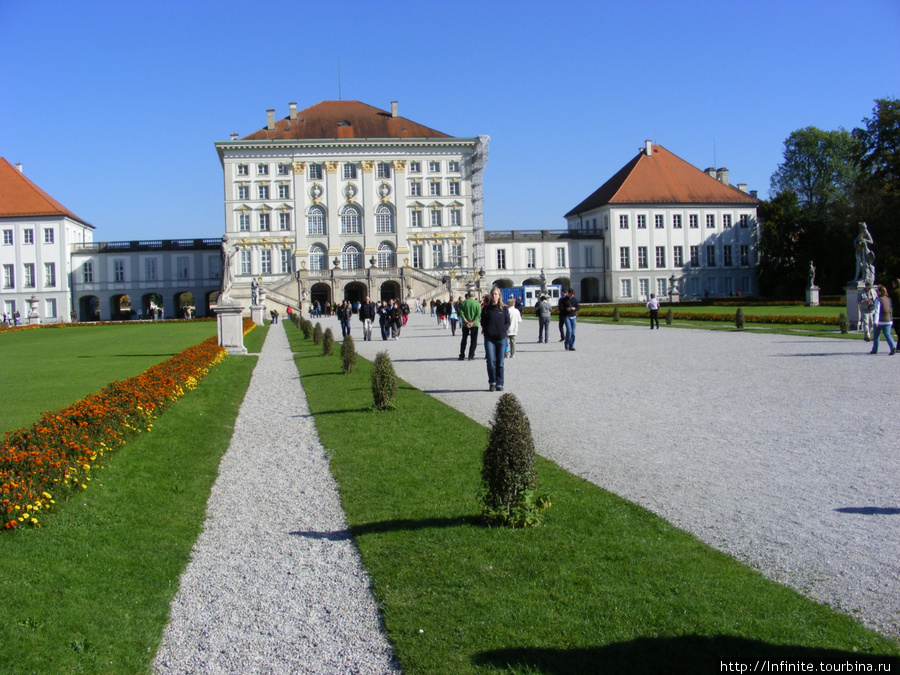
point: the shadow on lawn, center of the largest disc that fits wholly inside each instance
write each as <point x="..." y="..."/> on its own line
<point x="391" y="526"/>
<point x="683" y="654"/>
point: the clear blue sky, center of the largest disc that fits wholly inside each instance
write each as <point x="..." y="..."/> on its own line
<point x="113" y="107"/>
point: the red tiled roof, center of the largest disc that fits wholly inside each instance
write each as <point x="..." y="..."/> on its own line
<point x="662" y="178"/>
<point x="20" y="198"/>
<point x="343" y="119"/>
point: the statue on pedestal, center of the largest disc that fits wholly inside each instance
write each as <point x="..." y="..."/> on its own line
<point x="543" y="282"/>
<point x="254" y="291"/>
<point x="811" y="278"/>
<point x="865" y="258"/>
<point x="228" y="252"/>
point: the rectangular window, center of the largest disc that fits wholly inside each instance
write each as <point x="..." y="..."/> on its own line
<point x="625" y="257"/>
<point x="588" y="257"/>
<point x="28" y="279"/>
<point x="695" y="256"/>
<point x="435" y="217"/>
<point x="262" y="191"/>
<point x="727" y="260"/>
<point x="560" y="256"/>
<point x="726" y="221"/>
<point x="710" y="220"/>
<point x="415" y="188"/>
<point x="434" y="188"/>
<point x="245" y="262"/>
<point x="118" y="271"/>
<point x="284" y="169"/>
<point x="244" y="222"/>
<point x="48" y="235"/>
<point x="434" y="167"/>
<point x="745" y="256"/>
<point x="314" y="172"/>
<point x="417" y="257"/>
<point x="437" y="255"/>
<point x="455" y="217"/>
<point x="623" y="222"/>
<point x="415" y="218"/>
<point x="626" y="288"/>
<point x="531" y="258"/>
<point x="50" y="275"/>
<point x="661" y="288"/>
<point x="676" y="222"/>
<point x="745" y="285"/>
<point x="264" y="225"/>
<point x="9" y="276"/>
<point x="29" y="236"/>
<point x="183" y="267"/>
<point x="644" y="289"/>
<point x="150" y="269"/>
<point x="659" y="221"/>
<point x="453" y="187"/>
<point x="711" y="256"/>
<point x="501" y="259"/>
<point x="745" y="220"/>
<point x="729" y="285"/>
<point x="287" y="261"/>
<point x="660" y="256"/>
<point x="262" y="169"/>
<point x="695" y="286"/>
<point x="453" y="166"/>
<point x="712" y="286"/>
<point x="243" y="170"/>
<point x="265" y="261"/>
<point x="284" y="221"/>
<point x="382" y="170"/>
<point x="8" y="237"/>
<point x="415" y="167"/>
<point x="50" y="308"/>
<point x="642" y="222"/>
<point x="87" y="272"/>
<point x="349" y="171"/>
<point x="284" y="191"/>
<point x="456" y="255"/>
<point x="642" y="257"/>
<point x="678" y="256"/>
<point x="243" y="192"/>
<point x="694" y="221"/>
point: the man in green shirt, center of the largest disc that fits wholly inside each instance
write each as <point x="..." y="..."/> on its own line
<point x="469" y="315"/>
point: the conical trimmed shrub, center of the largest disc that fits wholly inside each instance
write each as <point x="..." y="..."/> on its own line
<point x="739" y="319"/>
<point x="348" y="354"/>
<point x="318" y="334"/>
<point x="327" y="342"/>
<point x="384" y="382"/>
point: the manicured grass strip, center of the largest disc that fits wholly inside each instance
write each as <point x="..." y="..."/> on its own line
<point x="90" y="591"/>
<point x="49" y="368"/>
<point x="603" y="586"/>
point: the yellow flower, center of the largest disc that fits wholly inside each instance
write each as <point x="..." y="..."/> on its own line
<point x="48" y="495"/>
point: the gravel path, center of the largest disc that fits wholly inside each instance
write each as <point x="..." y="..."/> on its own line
<point x="275" y="583"/>
<point x="781" y="451"/>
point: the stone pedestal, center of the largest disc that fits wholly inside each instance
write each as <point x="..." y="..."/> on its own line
<point x="852" y="290"/>
<point x="257" y="312"/>
<point x="33" y="317"/>
<point x="812" y="296"/>
<point x="231" y="328"/>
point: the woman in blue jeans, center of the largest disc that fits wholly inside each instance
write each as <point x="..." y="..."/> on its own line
<point x="494" y="325"/>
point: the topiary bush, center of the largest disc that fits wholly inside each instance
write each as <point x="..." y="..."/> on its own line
<point x="508" y="476"/>
<point x="306" y="327"/>
<point x="327" y="342"/>
<point x="615" y="314"/>
<point x="739" y="319"/>
<point x="317" y="334"/>
<point x="669" y="316"/>
<point x="844" y="323"/>
<point x="384" y="382"/>
<point x="348" y="355"/>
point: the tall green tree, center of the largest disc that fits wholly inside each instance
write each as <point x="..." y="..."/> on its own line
<point x="780" y="257"/>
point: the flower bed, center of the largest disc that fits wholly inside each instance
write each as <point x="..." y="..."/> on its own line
<point x="56" y="455"/>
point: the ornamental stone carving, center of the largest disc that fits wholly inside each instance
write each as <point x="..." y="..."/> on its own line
<point x="316" y="192"/>
<point x="331" y="167"/>
<point x="399" y="165"/>
<point x="298" y="167"/>
<point x="368" y="166"/>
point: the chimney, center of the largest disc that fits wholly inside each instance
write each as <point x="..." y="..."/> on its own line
<point x="270" y="116"/>
<point x="648" y="148"/>
<point x="742" y="187"/>
<point x="722" y="176"/>
<point x="711" y="171"/>
<point x="20" y="167"/>
<point x="234" y="137"/>
<point x="293" y="107"/>
<point x="394" y="109"/>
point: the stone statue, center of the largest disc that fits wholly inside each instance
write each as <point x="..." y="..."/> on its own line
<point x="254" y="291"/>
<point x="811" y="279"/>
<point x="865" y="259"/>
<point x="228" y="252"/>
<point x="543" y="282"/>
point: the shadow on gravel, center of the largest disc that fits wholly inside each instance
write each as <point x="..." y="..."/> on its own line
<point x="683" y="654"/>
<point x="391" y="526"/>
<point x="828" y="354"/>
<point x="870" y="510"/>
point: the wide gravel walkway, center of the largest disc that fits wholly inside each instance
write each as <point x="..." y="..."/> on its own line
<point x="275" y="583"/>
<point x="782" y="451"/>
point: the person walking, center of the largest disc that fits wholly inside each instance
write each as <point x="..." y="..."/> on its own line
<point x="653" y="306"/>
<point x="495" y="323"/>
<point x="396" y="317"/>
<point x="569" y="307"/>
<point x="384" y="319"/>
<point x="883" y="320"/>
<point x="453" y="315"/>
<point x="344" y="313"/>
<point x="367" y="316"/>
<point x="542" y="311"/>
<point x="865" y="302"/>
<point x="469" y="316"/>
<point x="895" y="302"/>
<point x="515" y="318"/>
<point x="562" y="318"/>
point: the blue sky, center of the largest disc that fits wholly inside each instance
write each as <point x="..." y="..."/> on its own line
<point x="113" y="107"/>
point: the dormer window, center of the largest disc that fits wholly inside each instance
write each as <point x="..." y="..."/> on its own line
<point x="344" y="123"/>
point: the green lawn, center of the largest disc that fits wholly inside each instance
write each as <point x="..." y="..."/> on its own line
<point x="603" y="587"/>
<point x="49" y="368"/>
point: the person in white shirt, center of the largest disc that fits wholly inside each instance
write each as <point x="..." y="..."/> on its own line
<point x="653" y="306"/>
<point x="515" y="318"/>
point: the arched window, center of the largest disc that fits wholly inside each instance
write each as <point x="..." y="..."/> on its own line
<point x="385" y="255"/>
<point x="384" y="220"/>
<point x="351" y="257"/>
<point x="317" y="258"/>
<point x="351" y="223"/>
<point x="315" y="221"/>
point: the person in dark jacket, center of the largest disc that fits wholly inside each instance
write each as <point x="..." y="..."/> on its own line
<point x="494" y="326"/>
<point x="568" y="307"/>
<point x="367" y="316"/>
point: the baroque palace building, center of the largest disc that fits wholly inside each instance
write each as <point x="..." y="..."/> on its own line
<point x="343" y="200"/>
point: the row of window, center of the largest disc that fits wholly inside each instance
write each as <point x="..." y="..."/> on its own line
<point x="29" y="277"/>
<point x="435" y="189"/>
<point x="531" y="258"/>
<point x="348" y="169"/>
<point x="678" y="256"/>
<point x="182" y="270"/>
<point x="351" y="220"/>
<point x="28" y="236"/>
<point x="663" y="286"/>
<point x="659" y="221"/>
<point x="9" y="306"/>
